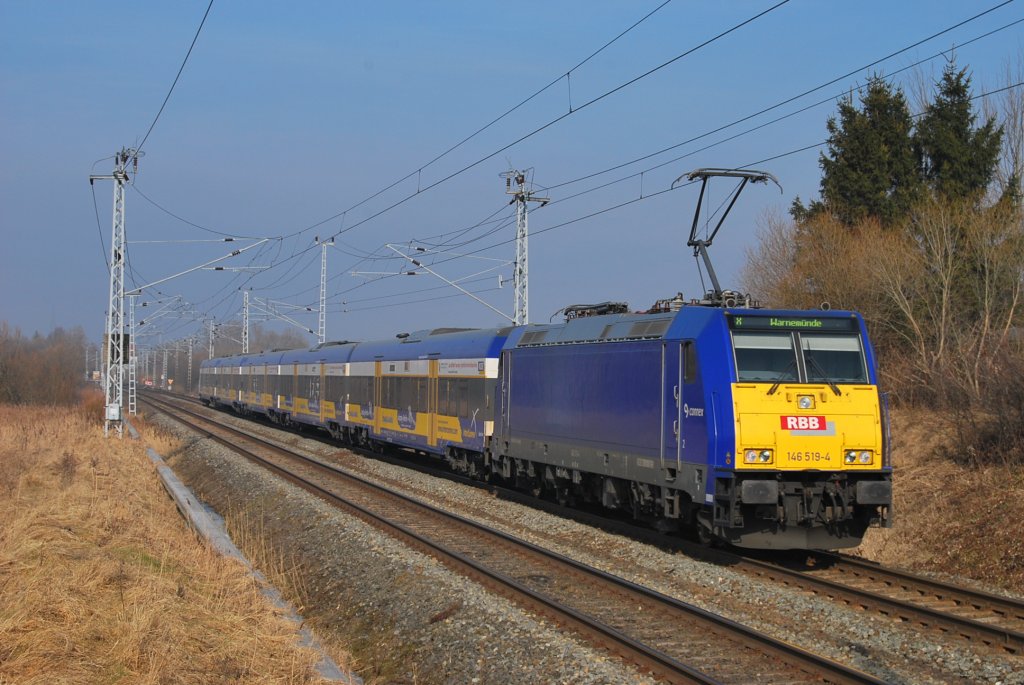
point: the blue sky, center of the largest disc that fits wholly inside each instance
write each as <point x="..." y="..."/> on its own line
<point x="289" y="113"/>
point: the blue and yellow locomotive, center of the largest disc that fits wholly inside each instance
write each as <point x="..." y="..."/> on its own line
<point x="762" y="428"/>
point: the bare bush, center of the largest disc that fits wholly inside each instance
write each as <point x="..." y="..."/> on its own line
<point x="941" y="297"/>
<point x="41" y="370"/>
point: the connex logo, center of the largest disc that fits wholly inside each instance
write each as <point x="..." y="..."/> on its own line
<point x="689" y="411"/>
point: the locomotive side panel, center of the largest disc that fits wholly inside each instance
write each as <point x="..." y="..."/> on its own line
<point x="593" y="407"/>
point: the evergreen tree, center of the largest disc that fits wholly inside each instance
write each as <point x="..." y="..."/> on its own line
<point x="956" y="159"/>
<point x="870" y="169"/>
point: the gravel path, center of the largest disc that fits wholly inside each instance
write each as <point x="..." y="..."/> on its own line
<point x="863" y="640"/>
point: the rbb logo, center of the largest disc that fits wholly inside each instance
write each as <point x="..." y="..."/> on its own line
<point x="804" y="423"/>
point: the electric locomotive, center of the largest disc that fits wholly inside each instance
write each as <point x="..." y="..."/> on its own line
<point x="762" y="428"/>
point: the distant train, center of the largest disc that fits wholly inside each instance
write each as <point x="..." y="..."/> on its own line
<point x="761" y="428"/>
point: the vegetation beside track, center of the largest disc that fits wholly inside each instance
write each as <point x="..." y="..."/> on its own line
<point x="961" y="519"/>
<point x="101" y="581"/>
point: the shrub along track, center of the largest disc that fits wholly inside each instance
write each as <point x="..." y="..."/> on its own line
<point x="664" y="636"/>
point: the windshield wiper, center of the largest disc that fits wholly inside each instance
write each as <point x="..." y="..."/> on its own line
<point x="782" y="376"/>
<point x="824" y="376"/>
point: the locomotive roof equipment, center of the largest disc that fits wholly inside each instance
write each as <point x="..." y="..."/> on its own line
<point x="717" y="297"/>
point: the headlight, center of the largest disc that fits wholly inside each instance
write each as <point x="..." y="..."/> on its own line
<point x="805" y="402"/>
<point x="765" y="456"/>
<point x="864" y="457"/>
<point x="851" y="457"/>
<point x="750" y="457"/>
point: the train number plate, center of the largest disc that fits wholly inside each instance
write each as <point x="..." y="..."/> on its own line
<point x="809" y="457"/>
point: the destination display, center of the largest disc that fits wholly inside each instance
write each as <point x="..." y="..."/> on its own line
<point x="792" y="323"/>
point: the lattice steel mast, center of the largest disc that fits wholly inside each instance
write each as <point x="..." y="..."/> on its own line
<point x="132" y="359"/>
<point x="113" y="377"/>
<point x="520" y="275"/>
<point x="321" y="335"/>
<point x="245" y="322"/>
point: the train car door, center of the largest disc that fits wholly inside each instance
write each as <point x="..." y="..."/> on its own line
<point x="321" y="385"/>
<point x="295" y="387"/>
<point x="506" y="392"/>
<point x="672" y="439"/>
<point x="432" y="401"/>
<point x="377" y="395"/>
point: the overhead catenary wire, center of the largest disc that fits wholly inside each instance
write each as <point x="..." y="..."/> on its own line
<point x="632" y="201"/>
<point x="554" y="121"/>
<point x="138" y="148"/>
<point x="649" y="196"/>
<point x="168" y="212"/>
<point x="103" y="243"/>
<point x="299" y="253"/>
<point x="809" y="91"/>
<point x="767" y="159"/>
<point x="746" y="118"/>
<point x="635" y="200"/>
<point x="489" y="124"/>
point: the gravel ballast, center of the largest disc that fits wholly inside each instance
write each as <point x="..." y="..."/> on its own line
<point x="357" y="575"/>
<point x="405" y="617"/>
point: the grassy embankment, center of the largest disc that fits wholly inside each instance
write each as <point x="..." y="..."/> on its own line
<point x="101" y="581"/>
<point x="957" y="518"/>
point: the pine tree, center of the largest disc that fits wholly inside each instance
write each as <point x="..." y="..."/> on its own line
<point x="956" y="159"/>
<point x="870" y="169"/>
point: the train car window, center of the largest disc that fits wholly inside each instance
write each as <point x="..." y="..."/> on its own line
<point x="765" y="356"/>
<point x="421" y="395"/>
<point x="463" y="397"/>
<point x="833" y="357"/>
<point x="689" y="362"/>
<point x="407" y="394"/>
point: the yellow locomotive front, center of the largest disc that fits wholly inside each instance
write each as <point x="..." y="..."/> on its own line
<point x="810" y="464"/>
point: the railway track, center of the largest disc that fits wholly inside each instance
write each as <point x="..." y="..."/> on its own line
<point x="979" y="618"/>
<point x="674" y="641"/>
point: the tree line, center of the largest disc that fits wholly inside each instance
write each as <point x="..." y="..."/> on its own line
<point x="919" y="227"/>
<point x="41" y="369"/>
<point x="51" y="369"/>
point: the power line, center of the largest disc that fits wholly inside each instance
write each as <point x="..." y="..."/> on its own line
<point x="683" y="185"/>
<point x="807" y="92"/>
<point x="138" y="148"/>
<point x="426" y="299"/>
<point x="490" y="123"/>
<point x="594" y="100"/>
<point x="640" y="173"/>
<point x="103" y="244"/>
<point x="163" y="209"/>
<point x="718" y="129"/>
<point x="554" y="121"/>
<point x="298" y="254"/>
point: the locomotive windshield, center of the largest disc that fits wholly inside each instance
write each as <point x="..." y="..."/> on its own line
<point x="833" y="358"/>
<point x="765" y="357"/>
<point x="824" y="357"/>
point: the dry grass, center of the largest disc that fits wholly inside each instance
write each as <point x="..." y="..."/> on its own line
<point x="950" y="517"/>
<point x="101" y="582"/>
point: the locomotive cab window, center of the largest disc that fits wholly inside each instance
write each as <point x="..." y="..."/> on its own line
<point x="823" y="358"/>
<point x="765" y="357"/>
<point x="833" y="358"/>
